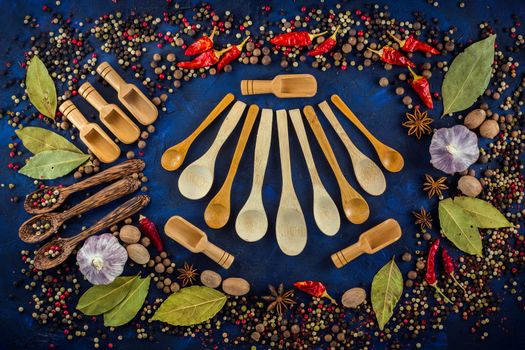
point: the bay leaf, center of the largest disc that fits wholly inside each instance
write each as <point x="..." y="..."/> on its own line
<point x="190" y="306"/>
<point x="49" y="165"/>
<point x="387" y="287"/>
<point x="130" y="305"/>
<point x="37" y="140"/>
<point x="459" y="227"/>
<point x="468" y="76"/>
<point x="41" y="88"/>
<point x="102" y="298"/>
<point x="484" y="214"/>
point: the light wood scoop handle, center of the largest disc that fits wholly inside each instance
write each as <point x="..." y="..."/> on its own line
<point x="336" y="100"/>
<point x="218" y="255"/>
<point x="110" y="75"/>
<point x="256" y="87"/>
<point x="344" y="256"/>
<point x="91" y="95"/>
<point x="71" y="113"/>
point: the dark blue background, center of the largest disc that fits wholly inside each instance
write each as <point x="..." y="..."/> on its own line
<point x="261" y="262"/>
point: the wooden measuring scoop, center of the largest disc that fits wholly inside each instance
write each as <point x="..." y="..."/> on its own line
<point x="217" y="212"/>
<point x="174" y="156"/>
<point x="55" y="220"/>
<point x="67" y="245"/>
<point x="115" y="172"/>
<point x="111" y="115"/>
<point x="96" y="139"/>
<point x="370" y="242"/>
<point x="129" y="95"/>
<point x="391" y="159"/>
<point x="196" y="180"/>
<point x="283" y="86"/>
<point x="196" y="241"/>
<point x="354" y="205"/>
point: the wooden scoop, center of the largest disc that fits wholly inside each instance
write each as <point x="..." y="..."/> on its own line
<point x="104" y="196"/>
<point x="283" y="86"/>
<point x="111" y="115"/>
<point x="174" y="156"/>
<point x="129" y="95"/>
<point x="370" y="242"/>
<point x="196" y="241"/>
<point x="354" y="205"/>
<point x="217" y="212"/>
<point x="67" y="245"/>
<point x="91" y="134"/>
<point x="196" y="180"/>
<point x="391" y="159"/>
<point x="116" y="172"/>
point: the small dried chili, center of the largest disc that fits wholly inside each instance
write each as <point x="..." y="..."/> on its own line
<point x="421" y="86"/>
<point x="295" y="39"/>
<point x="317" y="289"/>
<point x="448" y="264"/>
<point x="411" y="45"/>
<point x="205" y="59"/>
<point x="148" y="228"/>
<point x="430" y="275"/>
<point x="201" y="45"/>
<point x="325" y="46"/>
<point x="231" y="55"/>
<point x="394" y="57"/>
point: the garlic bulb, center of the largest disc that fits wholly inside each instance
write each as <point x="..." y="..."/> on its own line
<point x="454" y="149"/>
<point x="102" y="259"/>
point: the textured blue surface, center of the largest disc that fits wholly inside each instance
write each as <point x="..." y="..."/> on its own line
<point x="261" y="262"/>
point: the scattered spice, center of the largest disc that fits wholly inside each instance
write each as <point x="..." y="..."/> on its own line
<point x="448" y="264"/>
<point x="418" y="123"/>
<point x="411" y="45"/>
<point x="279" y="299"/>
<point x="295" y="39"/>
<point x="317" y="289"/>
<point x="421" y="86"/>
<point x="187" y="274"/>
<point x="391" y="56"/>
<point x="148" y="228"/>
<point x="204" y="60"/>
<point x="434" y="187"/>
<point x="201" y="45"/>
<point x="231" y="55"/>
<point x="326" y="46"/>
<point x="430" y="275"/>
<point x="423" y="219"/>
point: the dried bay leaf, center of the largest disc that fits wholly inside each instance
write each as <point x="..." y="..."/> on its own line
<point x="190" y="306"/>
<point x="459" y="227"/>
<point x="37" y="140"/>
<point x="387" y="287"/>
<point x="102" y="298"/>
<point x="130" y="305"/>
<point x="41" y="88"/>
<point x="468" y="76"/>
<point x="48" y="165"/>
<point x="484" y="214"/>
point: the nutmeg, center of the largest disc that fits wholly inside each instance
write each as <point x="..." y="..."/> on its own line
<point x="489" y="129"/>
<point x="475" y="118"/>
<point x="469" y="186"/>
<point x="138" y="253"/>
<point x="129" y="234"/>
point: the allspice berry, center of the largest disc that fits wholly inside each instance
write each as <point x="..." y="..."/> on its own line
<point x="489" y="129"/>
<point x="475" y="118"/>
<point x="469" y="186"/>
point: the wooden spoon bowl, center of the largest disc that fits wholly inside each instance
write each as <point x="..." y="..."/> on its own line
<point x="27" y="233"/>
<point x="392" y="160"/>
<point x="63" y="193"/>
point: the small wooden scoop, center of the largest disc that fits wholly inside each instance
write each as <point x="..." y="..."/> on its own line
<point x="195" y="240"/>
<point x="370" y="242"/>
<point x="174" y="156"/>
<point x="67" y="245"/>
<point x="104" y="196"/>
<point x="116" y="172"/>
<point x="91" y="134"/>
<point x="283" y="86"/>
<point x="111" y="115"/>
<point x="131" y="97"/>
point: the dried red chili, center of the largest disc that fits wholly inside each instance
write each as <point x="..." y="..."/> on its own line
<point x="421" y="86"/>
<point x="411" y="45"/>
<point x="295" y="39"/>
<point x="201" y="45"/>
<point x="394" y="57"/>
<point x="325" y="46"/>
<point x="317" y="289"/>
<point x="430" y="275"/>
<point x="148" y="228"/>
<point x="231" y="55"/>
<point x="448" y="264"/>
<point x="205" y="59"/>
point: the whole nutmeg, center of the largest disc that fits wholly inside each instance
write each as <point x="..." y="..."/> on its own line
<point x="129" y="234"/>
<point x="235" y="286"/>
<point x="354" y="297"/>
<point x="489" y="129"/>
<point x="138" y="253"/>
<point x="211" y="278"/>
<point x="475" y="118"/>
<point x="469" y="186"/>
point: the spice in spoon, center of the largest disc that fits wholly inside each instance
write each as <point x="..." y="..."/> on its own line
<point x="421" y="86"/>
<point x="392" y="56"/>
<point x="53" y="252"/>
<point x="325" y="46"/>
<point x="295" y="39"/>
<point x="201" y="45"/>
<point x="44" y="197"/>
<point x="205" y="59"/>
<point x="231" y="55"/>
<point x="40" y="227"/>
<point x="411" y="45"/>
<point x="317" y="289"/>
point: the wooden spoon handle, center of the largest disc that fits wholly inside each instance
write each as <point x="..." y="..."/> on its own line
<point x="344" y="256"/>
<point x="284" y="150"/>
<point x="110" y="75"/>
<point x="218" y="255"/>
<point x="91" y="95"/>
<point x="256" y="87"/>
<point x="227" y="126"/>
<point x="262" y="149"/>
<point x="332" y="119"/>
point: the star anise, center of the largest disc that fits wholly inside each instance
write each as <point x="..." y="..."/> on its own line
<point x="434" y="187"/>
<point x="423" y="218"/>
<point x="418" y="123"/>
<point x="280" y="300"/>
<point x="187" y="274"/>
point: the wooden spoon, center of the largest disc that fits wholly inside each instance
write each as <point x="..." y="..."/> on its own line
<point x="196" y="241"/>
<point x="290" y="226"/>
<point x="367" y="173"/>
<point x="67" y="245"/>
<point x="116" y="172"/>
<point x="252" y="223"/>
<point x="55" y="220"/>
<point x="354" y="205"/>
<point x="370" y="242"/>
<point x="283" y="86"/>
<point x="174" y="156"/>
<point x="391" y="159"/>
<point x="196" y="180"/>
<point x="217" y="212"/>
<point x="326" y="214"/>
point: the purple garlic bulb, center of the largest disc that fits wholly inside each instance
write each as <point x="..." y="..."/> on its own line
<point x="454" y="149"/>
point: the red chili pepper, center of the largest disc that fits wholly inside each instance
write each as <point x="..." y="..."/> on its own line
<point x="231" y="55"/>
<point x="448" y="264"/>
<point x="295" y="39"/>
<point x="394" y="57"/>
<point x="201" y="45"/>
<point x="205" y="59"/>
<point x="148" y="228"/>
<point x="411" y="45"/>
<point x="317" y="289"/>
<point x="430" y="275"/>
<point x="421" y="86"/>
<point x="326" y="45"/>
